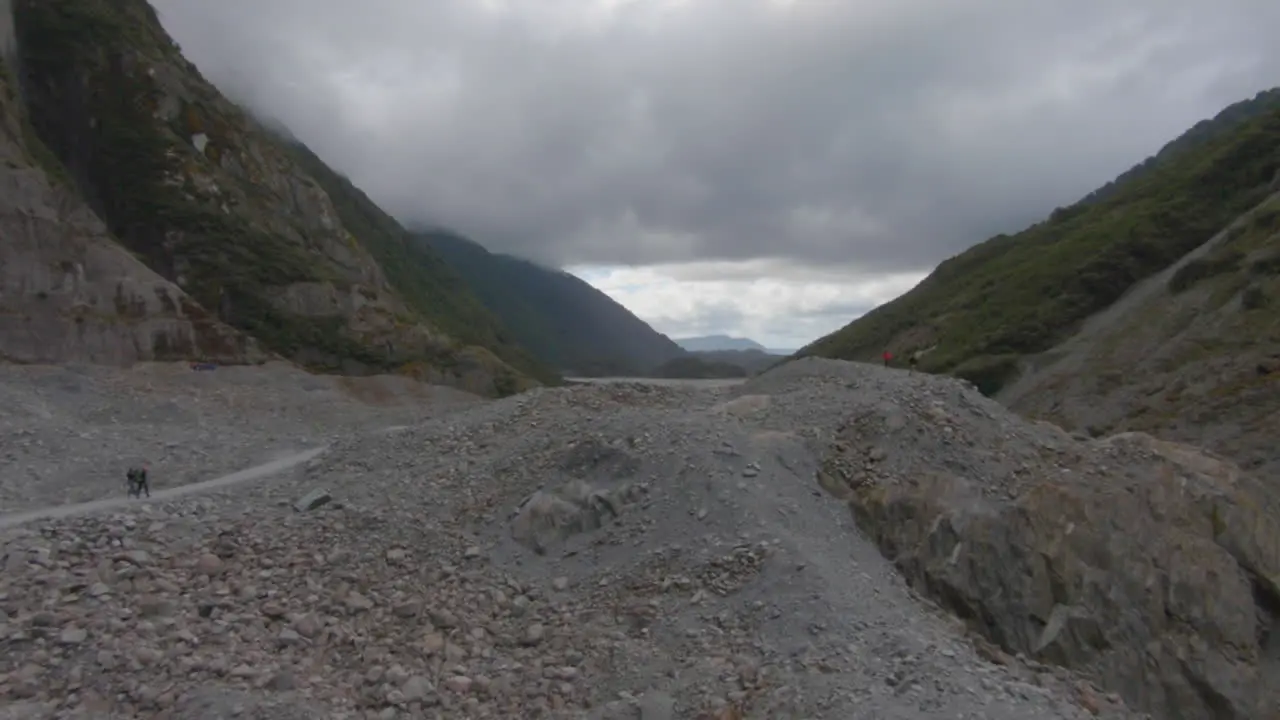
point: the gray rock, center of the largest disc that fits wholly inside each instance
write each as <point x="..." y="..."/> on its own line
<point x="312" y="500"/>
<point x="657" y="705"/>
<point x="73" y="636"/>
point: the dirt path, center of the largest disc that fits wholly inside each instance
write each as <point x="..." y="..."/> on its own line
<point x="254" y="473"/>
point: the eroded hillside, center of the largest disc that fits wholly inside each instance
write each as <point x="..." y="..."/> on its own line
<point x="212" y="202"/>
<point x="1192" y="353"/>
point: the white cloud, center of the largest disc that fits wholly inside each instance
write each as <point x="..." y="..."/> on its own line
<point x="777" y="303"/>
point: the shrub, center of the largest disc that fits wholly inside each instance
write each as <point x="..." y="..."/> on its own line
<point x="1202" y="269"/>
<point x="1254" y="298"/>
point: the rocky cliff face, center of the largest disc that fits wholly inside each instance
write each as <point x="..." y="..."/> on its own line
<point x="211" y="201"/>
<point x="1150" y="567"/>
<point x="68" y="291"/>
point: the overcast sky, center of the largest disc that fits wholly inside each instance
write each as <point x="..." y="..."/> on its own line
<point x="761" y="167"/>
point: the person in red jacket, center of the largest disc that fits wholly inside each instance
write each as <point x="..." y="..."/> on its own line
<point x="887" y="357"/>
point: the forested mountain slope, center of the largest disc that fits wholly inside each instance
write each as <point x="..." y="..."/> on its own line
<point x="565" y="322"/>
<point x="980" y="313"/>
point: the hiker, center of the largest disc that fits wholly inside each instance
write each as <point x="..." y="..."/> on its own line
<point x="914" y="360"/>
<point x="888" y="356"/>
<point x="138" y="484"/>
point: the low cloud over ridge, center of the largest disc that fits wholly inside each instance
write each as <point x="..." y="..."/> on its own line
<point x="880" y="135"/>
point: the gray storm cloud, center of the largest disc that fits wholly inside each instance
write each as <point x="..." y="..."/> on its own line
<point x="886" y="134"/>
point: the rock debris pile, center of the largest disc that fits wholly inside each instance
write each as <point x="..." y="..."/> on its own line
<point x="603" y="552"/>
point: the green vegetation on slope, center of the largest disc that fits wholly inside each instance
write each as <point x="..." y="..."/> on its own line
<point x="1010" y="296"/>
<point x="422" y="278"/>
<point x="560" y="318"/>
<point x="209" y="199"/>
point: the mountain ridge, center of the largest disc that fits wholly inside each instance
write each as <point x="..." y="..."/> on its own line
<point x="705" y="343"/>
<point x="980" y="312"/>
<point x="211" y="201"/>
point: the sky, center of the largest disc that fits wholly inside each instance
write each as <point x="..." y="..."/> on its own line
<point x="767" y="168"/>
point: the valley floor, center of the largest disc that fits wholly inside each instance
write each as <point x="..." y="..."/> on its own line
<point x="728" y="586"/>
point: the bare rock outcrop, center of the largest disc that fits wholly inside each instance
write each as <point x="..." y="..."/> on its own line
<point x="1150" y="566"/>
<point x="69" y="292"/>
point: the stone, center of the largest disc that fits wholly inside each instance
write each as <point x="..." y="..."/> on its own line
<point x="209" y="564"/>
<point x="312" y="501"/>
<point x="416" y="689"/>
<point x="460" y="684"/>
<point x="534" y="634"/>
<point x="1100" y="541"/>
<point x="657" y="705"/>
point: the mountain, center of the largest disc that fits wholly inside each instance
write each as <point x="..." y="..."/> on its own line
<point x="705" y="343"/>
<point x="564" y="321"/>
<point x="699" y="367"/>
<point x="1191" y="354"/>
<point x="981" y="313"/>
<point x="751" y="361"/>
<point x="220" y="207"/>
<point x="68" y="291"/>
<point x="424" y="278"/>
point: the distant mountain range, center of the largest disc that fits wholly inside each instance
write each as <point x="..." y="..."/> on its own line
<point x="715" y="343"/>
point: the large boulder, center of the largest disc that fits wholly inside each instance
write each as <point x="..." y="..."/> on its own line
<point x="1153" y="568"/>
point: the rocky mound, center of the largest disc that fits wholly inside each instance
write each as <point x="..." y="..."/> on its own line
<point x="686" y="565"/>
<point x="1153" y="568"/>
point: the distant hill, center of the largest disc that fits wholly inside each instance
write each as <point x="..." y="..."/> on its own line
<point x="698" y="366"/>
<point x="564" y="321"/>
<point x="707" y="343"/>
<point x="751" y="361"/>
<point x="982" y="312"/>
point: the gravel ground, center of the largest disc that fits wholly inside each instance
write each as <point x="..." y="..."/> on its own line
<point x="68" y="434"/>
<point x="604" y="551"/>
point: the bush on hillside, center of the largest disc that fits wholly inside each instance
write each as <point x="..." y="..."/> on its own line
<point x="1201" y="269"/>
<point x="1254" y="298"/>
